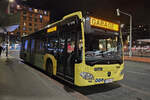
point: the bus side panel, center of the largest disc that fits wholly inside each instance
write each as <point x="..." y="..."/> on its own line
<point x="39" y="60"/>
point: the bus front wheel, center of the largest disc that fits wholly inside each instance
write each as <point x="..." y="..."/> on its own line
<point x="49" y="68"/>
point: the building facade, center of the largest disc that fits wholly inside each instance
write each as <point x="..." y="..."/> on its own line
<point x="31" y="20"/>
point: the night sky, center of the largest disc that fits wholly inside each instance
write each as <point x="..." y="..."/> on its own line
<point x="98" y="8"/>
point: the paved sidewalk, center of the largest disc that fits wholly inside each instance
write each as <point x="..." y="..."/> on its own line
<point x="139" y="59"/>
<point x="18" y="81"/>
<point x="3" y="55"/>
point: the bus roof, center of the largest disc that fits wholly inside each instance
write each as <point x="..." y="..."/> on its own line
<point x="79" y="13"/>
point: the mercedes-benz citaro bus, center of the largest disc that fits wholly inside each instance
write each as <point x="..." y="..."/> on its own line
<point x="82" y="50"/>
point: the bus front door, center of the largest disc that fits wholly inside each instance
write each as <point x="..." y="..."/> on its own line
<point x="65" y="56"/>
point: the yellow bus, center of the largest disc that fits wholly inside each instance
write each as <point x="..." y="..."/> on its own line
<point x="83" y="50"/>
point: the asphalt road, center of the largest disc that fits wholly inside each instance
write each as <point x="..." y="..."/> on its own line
<point x="134" y="86"/>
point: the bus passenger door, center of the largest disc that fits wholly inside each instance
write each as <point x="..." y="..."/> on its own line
<point x="65" y="56"/>
<point x="70" y="54"/>
<point x="61" y="54"/>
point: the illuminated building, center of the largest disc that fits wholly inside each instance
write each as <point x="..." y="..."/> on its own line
<point x="31" y="20"/>
<point x="139" y="32"/>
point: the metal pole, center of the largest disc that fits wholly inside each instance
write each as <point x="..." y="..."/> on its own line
<point x="130" y="42"/>
<point x="7" y="41"/>
<point x="130" y="45"/>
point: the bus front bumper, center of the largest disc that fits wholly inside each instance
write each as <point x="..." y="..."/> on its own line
<point x="86" y="76"/>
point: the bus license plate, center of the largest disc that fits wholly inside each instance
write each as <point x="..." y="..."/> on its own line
<point x="108" y="81"/>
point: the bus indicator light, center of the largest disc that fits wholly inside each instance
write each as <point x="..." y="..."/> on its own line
<point x="103" y="24"/>
<point x="52" y="29"/>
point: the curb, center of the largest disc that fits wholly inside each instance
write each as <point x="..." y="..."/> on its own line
<point x="138" y="59"/>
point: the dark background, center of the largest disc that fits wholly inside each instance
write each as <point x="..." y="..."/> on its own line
<point x="98" y="8"/>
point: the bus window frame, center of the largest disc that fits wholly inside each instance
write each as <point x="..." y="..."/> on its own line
<point x="73" y="28"/>
<point x="64" y="29"/>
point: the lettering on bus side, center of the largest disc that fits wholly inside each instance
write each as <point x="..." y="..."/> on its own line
<point x="52" y="29"/>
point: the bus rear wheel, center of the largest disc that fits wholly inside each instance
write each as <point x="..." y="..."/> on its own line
<point x="49" y="68"/>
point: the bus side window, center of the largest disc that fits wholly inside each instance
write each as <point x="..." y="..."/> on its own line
<point x="52" y="45"/>
<point x="26" y="45"/>
<point x="22" y="45"/>
<point x="61" y="43"/>
<point x="37" y="46"/>
<point x="71" y="43"/>
<point x="70" y="47"/>
<point x="33" y="45"/>
<point x="29" y="45"/>
<point x="42" y="46"/>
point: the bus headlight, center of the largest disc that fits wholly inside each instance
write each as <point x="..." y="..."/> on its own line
<point x="87" y="76"/>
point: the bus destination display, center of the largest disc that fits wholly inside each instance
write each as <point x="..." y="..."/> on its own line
<point x="103" y="24"/>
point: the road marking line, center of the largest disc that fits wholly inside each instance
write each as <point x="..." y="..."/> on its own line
<point x="138" y="73"/>
<point x="135" y="89"/>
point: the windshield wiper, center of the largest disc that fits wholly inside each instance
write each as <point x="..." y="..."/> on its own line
<point x="93" y="62"/>
<point x="104" y="61"/>
<point x="120" y="61"/>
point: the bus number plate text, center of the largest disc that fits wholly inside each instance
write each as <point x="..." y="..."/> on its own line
<point x="108" y="81"/>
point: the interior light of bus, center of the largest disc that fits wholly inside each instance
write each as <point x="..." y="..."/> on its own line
<point x="103" y="24"/>
<point x="26" y="44"/>
<point x="52" y="29"/>
<point x="116" y="39"/>
<point x="109" y="39"/>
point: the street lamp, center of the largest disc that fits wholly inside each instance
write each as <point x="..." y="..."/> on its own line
<point x="130" y="45"/>
<point x="11" y="1"/>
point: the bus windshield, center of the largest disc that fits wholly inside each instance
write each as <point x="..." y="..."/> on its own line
<point x="103" y="48"/>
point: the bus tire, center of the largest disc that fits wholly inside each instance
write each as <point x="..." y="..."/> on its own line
<point x="49" y="67"/>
